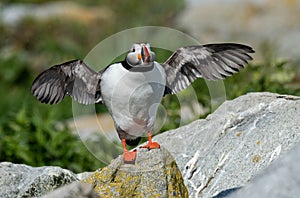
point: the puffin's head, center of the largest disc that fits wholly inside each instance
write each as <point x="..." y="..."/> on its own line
<point x="140" y="55"/>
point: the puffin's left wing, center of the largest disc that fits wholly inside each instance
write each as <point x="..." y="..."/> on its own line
<point x="211" y="61"/>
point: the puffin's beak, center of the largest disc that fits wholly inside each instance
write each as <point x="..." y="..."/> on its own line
<point x="139" y="56"/>
<point x="145" y="54"/>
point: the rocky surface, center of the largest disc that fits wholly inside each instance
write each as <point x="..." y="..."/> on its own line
<point x="242" y="137"/>
<point x="17" y="180"/>
<point x="249" y="147"/>
<point x="154" y="174"/>
<point x="74" y="190"/>
<point x="280" y="179"/>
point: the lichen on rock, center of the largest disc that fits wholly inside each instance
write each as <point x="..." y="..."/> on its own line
<point x="154" y="174"/>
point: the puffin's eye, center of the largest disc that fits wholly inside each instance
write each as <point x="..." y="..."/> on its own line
<point x="133" y="49"/>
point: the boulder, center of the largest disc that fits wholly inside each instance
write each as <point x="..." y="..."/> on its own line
<point x="74" y="190"/>
<point x="280" y="179"/>
<point x="154" y="174"/>
<point x="234" y="143"/>
<point x="18" y="180"/>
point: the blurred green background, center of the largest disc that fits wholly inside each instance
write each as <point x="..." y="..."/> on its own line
<point x="29" y="130"/>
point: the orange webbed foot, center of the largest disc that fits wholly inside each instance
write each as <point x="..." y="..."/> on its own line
<point x="151" y="145"/>
<point x="129" y="157"/>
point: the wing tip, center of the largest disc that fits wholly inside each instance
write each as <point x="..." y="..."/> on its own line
<point x="230" y="46"/>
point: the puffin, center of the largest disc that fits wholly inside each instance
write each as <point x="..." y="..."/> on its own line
<point x="133" y="88"/>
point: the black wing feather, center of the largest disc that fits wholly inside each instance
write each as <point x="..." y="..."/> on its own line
<point x="211" y="61"/>
<point x="73" y="78"/>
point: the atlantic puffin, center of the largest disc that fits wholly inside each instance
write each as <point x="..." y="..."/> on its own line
<point x="133" y="88"/>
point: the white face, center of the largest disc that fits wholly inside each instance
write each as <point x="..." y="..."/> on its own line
<point x="140" y="55"/>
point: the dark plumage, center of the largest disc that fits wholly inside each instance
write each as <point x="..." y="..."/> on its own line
<point x="211" y="62"/>
<point x="53" y="84"/>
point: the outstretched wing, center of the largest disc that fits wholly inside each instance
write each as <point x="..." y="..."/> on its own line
<point x="73" y="78"/>
<point x="211" y="61"/>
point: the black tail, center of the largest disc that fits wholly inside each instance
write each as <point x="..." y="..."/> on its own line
<point x="133" y="142"/>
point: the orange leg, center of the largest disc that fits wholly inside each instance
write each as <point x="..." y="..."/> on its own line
<point x="128" y="157"/>
<point x="151" y="145"/>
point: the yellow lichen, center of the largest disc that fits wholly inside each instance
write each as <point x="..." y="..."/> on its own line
<point x="256" y="158"/>
<point x="238" y="134"/>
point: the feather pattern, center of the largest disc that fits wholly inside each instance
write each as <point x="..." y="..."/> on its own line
<point x="73" y="78"/>
<point x="211" y="62"/>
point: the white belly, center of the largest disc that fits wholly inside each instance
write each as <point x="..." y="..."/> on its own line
<point x="133" y="97"/>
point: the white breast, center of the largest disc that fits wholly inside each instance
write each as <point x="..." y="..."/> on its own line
<point x="133" y="97"/>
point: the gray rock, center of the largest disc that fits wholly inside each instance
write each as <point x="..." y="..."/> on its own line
<point x="18" y="180"/>
<point x="280" y="179"/>
<point x="154" y="174"/>
<point x="242" y="137"/>
<point x="215" y="155"/>
<point x="73" y="190"/>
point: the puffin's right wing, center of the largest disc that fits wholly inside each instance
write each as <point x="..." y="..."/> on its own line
<point x="211" y="61"/>
<point x="72" y="78"/>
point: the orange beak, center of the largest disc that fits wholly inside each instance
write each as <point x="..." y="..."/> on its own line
<point x="139" y="56"/>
